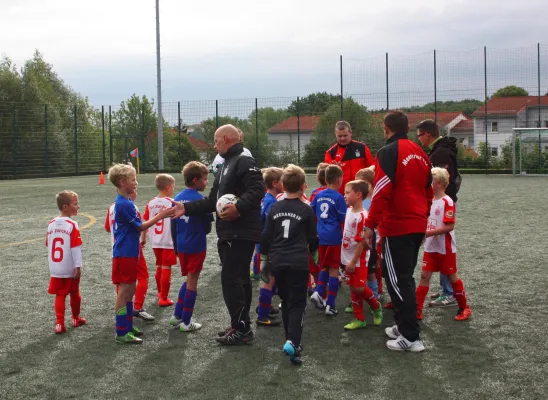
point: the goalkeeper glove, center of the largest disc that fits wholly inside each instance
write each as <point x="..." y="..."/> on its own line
<point x="315" y="257"/>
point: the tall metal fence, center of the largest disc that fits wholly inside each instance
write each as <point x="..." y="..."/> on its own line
<point x="454" y="88"/>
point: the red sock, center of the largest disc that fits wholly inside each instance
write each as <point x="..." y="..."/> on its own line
<point x="458" y="290"/>
<point x="59" y="307"/>
<point x="140" y="293"/>
<point x="370" y="299"/>
<point x="357" y="305"/>
<point x="165" y="283"/>
<point x="309" y="281"/>
<point x="378" y="275"/>
<point x="75" y="301"/>
<point x="158" y="277"/>
<point x="422" y="291"/>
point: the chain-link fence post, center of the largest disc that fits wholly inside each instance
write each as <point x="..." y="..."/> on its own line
<point x="46" y="139"/>
<point x="142" y="150"/>
<point x="14" y="140"/>
<point x="216" y="114"/>
<point x="487" y="149"/>
<point x="257" y="130"/>
<point x="298" y="132"/>
<point x="539" y="123"/>
<point x="75" y="138"/>
<point x="342" y="91"/>
<point x="435" y="89"/>
<point x="179" y="128"/>
<point x="110" y="133"/>
<point x="103" y="135"/>
<point x="387" y="87"/>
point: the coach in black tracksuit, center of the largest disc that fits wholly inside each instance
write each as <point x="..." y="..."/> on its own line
<point x="238" y="228"/>
<point x="400" y="208"/>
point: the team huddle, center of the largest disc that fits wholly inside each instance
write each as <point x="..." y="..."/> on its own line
<point x="354" y="230"/>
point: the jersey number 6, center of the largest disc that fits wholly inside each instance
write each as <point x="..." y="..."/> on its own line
<point x="57" y="250"/>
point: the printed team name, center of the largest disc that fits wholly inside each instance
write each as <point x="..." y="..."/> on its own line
<point x="290" y="215"/>
<point x="411" y="157"/>
<point x="326" y="199"/>
<point x="58" y="231"/>
<point x="158" y="206"/>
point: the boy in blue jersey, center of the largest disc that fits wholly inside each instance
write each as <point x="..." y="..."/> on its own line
<point x="265" y="313"/>
<point x="125" y="251"/>
<point x="320" y="176"/>
<point x="190" y="243"/>
<point x="330" y="209"/>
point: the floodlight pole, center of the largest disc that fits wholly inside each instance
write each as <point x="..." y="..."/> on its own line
<point x="159" y="87"/>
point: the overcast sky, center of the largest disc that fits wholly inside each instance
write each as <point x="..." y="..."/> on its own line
<point x="247" y="48"/>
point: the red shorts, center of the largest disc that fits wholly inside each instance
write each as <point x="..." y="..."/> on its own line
<point x="358" y="278"/>
<point x="63" y="286"/>
<point x="124" y="269"/>
<point x="443" y="263"/>
<point x="191" y="263"/>
<point x="313" y="268"/>
<point x="142" y="267"/>
<point x="329" y="256"/>
<point x="165" y="257"/>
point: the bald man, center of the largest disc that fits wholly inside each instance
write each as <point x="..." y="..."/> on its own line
<point x="238" y="228"/>
<point x="219" y="160"/>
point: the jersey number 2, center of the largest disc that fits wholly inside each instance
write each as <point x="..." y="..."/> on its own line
<point x="285" y="224"/>
<point x="324" y="208"/>
<point x="57" y="252"/>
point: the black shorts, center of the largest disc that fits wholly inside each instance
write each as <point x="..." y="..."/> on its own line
<point x="372" y="263"/>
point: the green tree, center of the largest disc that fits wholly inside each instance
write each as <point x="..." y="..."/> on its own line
<point x="511" y="91"/>
<point x="314" y="104"/>
<point x="467" y="106"/>
<point x="135" y="125"/>
<point x="363" y="129"/>
<point x="23" y="95"/>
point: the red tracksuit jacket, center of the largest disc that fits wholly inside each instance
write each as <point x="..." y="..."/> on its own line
<point x="403" y="189"/>
<point x="356" y="155"/>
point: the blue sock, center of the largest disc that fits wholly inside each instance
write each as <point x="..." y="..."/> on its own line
<point x="180" y="301"/>
<point x="265" y="302"/>
<point x="322" y="281"/>
<point x="374" y="286"/>
<point x="129" y="316"/>
<point x="188" y="307"/>
<point x="121" y="321"/>
<point x="333" y="288"/>
<point x="256" y="263"/>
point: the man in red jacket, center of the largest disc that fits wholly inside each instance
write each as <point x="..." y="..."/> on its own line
<point x="400" y="208"/>
<point x="348" y="154"/>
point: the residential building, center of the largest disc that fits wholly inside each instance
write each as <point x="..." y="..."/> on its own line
<point x="505" y="113"/>
<point x="293" y="132"/>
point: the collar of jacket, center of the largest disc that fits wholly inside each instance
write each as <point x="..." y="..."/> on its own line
<point x="431" y="147"/>
<point x="397" y="136"/>
<point x="234" y="150"/>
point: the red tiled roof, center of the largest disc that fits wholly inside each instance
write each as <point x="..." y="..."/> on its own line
<point x="443" y="118"/>
<point x="466" y="125"/>
<point x="306" y="124"/>
<point x="509" y="105"/>
<point x="198" y="144"/>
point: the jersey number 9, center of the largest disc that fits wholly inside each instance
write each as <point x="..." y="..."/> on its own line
<point x="159" y="227"/>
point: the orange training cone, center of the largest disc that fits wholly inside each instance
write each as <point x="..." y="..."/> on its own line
<point x="101" y="178"/>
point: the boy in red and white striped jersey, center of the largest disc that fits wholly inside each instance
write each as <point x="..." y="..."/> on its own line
<point x="440" y="248"/>
<point x="65" y="260"/>
<point x="160" y="236"/>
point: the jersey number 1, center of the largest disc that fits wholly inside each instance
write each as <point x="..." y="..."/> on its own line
<point x="285" y="224"/>
<point x="57" y="250"/>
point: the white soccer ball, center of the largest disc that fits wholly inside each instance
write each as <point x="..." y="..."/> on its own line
<point x="224" y="200"/>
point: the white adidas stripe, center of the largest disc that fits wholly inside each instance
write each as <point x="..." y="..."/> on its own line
<point x="391" y="270"/>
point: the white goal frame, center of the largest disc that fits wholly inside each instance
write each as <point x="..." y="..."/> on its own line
<point x="517" y="132"/>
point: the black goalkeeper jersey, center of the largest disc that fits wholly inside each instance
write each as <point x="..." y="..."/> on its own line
<point x="289" y="234"/>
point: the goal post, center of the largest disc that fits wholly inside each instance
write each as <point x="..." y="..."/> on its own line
<point x="529" y="151"/>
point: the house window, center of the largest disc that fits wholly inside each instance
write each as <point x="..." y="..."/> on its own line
<point x="494" y="126"/>
<point x="494" y="151"/>
<point x="275" y="143"/>
<point x="546" y="123"/>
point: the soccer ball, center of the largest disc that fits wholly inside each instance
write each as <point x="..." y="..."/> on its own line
<point x="224" y="200"/>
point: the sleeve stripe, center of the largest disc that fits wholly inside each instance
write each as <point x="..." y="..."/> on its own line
<point x="380" y="185"/>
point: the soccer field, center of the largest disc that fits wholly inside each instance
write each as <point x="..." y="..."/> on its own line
<point x="500" y="353"/>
